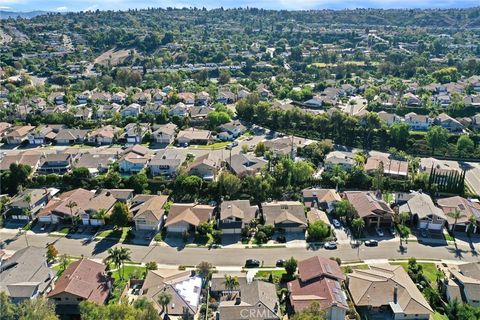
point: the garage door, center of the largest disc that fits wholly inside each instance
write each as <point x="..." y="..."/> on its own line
<point x="231" y="231"/>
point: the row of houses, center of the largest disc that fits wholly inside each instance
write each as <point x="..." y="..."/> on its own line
<point x="132" y="133"/>
<point x="234" y="215"/>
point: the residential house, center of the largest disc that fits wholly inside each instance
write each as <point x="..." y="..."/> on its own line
<point x="179" y="110"/>
<point x="417" y="121"/>
<point x="18" y="134"/>
<point x="71" y="136"/>
<point x="153" y="109"/>
<point x="193" y="136"/>
<point x="132" y="110"/>
<point x="370" y="208"/>
<point x="231" y="130"/>
<point x="25" y="274"/>
<point x="82" y="280"/>
<point x="184" y="288"/>
<point x="252" y="299"/>
<point x="4" y="128"/>
<point x="119" y="97"/>
<point x="288" y="216"/>
<point x="26" y="204"/>
<point x="412" y="100"/>
<point x="391" y="167"/>
<point x="142" y="97"/>
<point x="59" y="163"/>
<point x="187" y="97"/>
<point x="135" y="132"/>
<point x="263" y="92"/>
<point x="44" y="133"/>
<point x="387" y="288"/>
<point x="165" y="133"/>
<point x="244" y="164"/>
<point x="286" y="145"/>
<point x="202" y="98"/>
<point x="31" y="160"/>
<point x="100" y="97"/>
<point x="344" y="159"/>
<point x="199" y="113"/>
<point x="166" y="162"/>
<point x="205" y="166"/>
<point x="103" y="135"/>
<point x="236" y="215"/>
<point x="96" y="163"/>
<point x="57" y="98"/>
<point x="468" y="208"/>
<point x="184" y="217"/>
<point x="82" y="98"/>
<point x="83" y="113"/>
<point x="107" y="111"/>
<point x="158" y="96"/>
<point x="226" y="97"/>
<point x="78" y="204"/>
<point x="319" y="281"/>
<point x="132" y="162"/>
<point x="449" y="123"/>
<point x="324" y="199"/>
<point x="243" y="94"/>
<point x="423" y="211"/>
<point x="472" y="101"/>
<point x="462" y="282"/>
<point x="122" y="195"/>
<point x="148" y="212"/>
<point x="389" y="118"/>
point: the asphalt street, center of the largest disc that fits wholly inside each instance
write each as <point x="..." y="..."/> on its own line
<point x="236" y="257"/>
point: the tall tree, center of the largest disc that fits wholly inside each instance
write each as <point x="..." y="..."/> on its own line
<point x="164" y="299"/>
<point x="436" y="138"/>
<point x="117" y="256"/>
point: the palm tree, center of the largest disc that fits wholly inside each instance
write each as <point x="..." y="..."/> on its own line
<point x="118" y="256"/>
<point x="100" y="214"/>
<point x="338" y="176"/>
<point x="472" y="221"/>
<point x="71" y="204"/>
<point x="231" y="283"/>
<point x="358" y="225"/>
<point x="138" y="131"/>
<point x="455" y="214"/>
<point x="164" y="299"/>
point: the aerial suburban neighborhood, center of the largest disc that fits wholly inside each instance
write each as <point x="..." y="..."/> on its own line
<point x="230" y="164"/>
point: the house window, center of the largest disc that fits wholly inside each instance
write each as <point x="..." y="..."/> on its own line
<point x="79" y="299"/>
<point x="284" y="207"/>
<point x="58" y="299"/>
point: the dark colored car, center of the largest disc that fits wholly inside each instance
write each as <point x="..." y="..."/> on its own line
<point x="280" y="263"/>
<point x="252" y="263"/>
<point x="371" y="243"/>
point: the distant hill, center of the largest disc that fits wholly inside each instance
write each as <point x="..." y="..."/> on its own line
<point x="26" y="15"/>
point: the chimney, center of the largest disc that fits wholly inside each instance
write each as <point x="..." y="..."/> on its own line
<point x="238" y="300"/>
<point x="395" y="294"/>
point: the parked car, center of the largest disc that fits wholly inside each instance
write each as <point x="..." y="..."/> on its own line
<point x="336" y="223"/>
<point x="331" y="245"/>
<point x="379" y="232"/>
<point x="280" y="263"/>
<point x="371" y="243"/>
<point x="252" y="263"/>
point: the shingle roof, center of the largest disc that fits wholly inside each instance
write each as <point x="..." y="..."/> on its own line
<point x="284" y="211"/>
<point x="191" y="213"/>
<point x="375" y="287"/>
<point x="83" y="278"/>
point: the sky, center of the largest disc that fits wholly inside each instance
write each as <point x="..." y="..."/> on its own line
<point x="85" y="5"/>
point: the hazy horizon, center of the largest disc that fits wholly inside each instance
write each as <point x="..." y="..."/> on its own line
<point x="86" y="5"/>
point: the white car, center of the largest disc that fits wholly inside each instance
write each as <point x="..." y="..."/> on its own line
<point x="336" y="223"/>
<point x="330" y="245"/>
<point x="379" y="232"/>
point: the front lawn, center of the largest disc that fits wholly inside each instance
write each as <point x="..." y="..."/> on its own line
<point x="119" y="234"/>
<point x="429" y="270"/>
<point x="64" y="230"/>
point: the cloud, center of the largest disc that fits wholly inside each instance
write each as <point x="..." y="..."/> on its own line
<point x="91" y="8"/>
<point x="63" y="8"/>
<point x="5" y="8"/>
